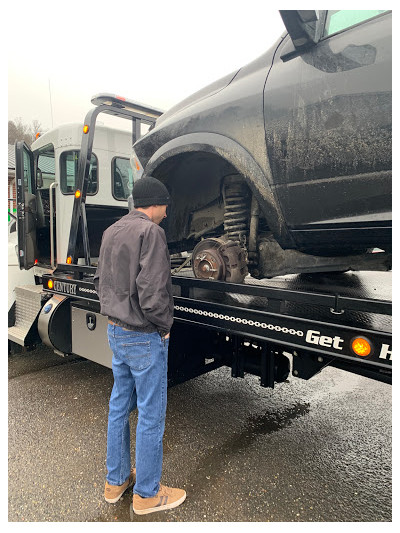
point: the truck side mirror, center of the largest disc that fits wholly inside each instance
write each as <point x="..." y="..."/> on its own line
<point x="302" y="27"/>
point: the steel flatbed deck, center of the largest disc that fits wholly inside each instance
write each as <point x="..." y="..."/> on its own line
<point x="316" y="318"/>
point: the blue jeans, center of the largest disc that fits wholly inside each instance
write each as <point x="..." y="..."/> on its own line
<point x="139" y="364"/>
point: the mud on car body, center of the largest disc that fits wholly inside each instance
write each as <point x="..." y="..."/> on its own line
<point x="285" y="165"/>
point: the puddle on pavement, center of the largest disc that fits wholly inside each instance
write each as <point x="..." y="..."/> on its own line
<point x="260" y="425"/>
<point x="215" y="460"/>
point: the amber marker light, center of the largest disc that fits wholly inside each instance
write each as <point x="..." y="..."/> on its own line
<point x="85" y="129"/>
<point x="50" y="284"/>
<point x="361" y="346"/>
<point x="69" y="260"/>
<point x="77" y="193"/>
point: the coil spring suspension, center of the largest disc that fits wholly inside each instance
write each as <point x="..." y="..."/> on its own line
<point x="236" y="209"/>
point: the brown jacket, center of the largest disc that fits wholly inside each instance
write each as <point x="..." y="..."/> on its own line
<point x="133" y="277"/>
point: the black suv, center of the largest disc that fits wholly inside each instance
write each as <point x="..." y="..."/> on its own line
<point x="285" y="165"/>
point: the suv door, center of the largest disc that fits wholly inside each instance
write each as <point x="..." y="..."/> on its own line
<point x="26" y="206"/>
<point x="328" y="132"/>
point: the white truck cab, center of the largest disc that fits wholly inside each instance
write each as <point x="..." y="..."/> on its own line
<point x="50" y="180"/>
<point x="71" y="185"/>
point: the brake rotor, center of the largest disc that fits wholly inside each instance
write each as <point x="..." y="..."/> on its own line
<point x="218" y="259"/>
<point x="207" y="261"/>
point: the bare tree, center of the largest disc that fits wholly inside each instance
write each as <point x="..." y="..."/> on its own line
<point x="36" y="128"/>
<point x="18" y="131"/>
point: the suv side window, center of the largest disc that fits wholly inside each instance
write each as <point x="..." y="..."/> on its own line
<point x="338" y="20"/>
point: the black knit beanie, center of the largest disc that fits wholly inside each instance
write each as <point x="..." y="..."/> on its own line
<point x="150" y="191"/>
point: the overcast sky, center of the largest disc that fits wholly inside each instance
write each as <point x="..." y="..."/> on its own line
<point x="60" y="54"/>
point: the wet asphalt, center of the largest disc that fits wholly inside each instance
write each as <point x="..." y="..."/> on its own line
<point x="307" y="451"/>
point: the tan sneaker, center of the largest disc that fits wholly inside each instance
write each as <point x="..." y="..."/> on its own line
<point x="166" y="498"/>
<point x="112" y="493"/>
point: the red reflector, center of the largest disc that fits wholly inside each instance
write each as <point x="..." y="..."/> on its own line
<point x="121" y="98"/>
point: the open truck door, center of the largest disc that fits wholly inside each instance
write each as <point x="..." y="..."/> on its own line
<point x="26" y="205"/>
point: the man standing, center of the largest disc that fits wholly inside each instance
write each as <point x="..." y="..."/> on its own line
<point x="133" y="281"/>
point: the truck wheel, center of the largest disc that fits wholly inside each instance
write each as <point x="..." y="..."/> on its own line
<point x="216" y="259"/>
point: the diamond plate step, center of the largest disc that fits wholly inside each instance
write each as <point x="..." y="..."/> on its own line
<point x="28" y="303"/>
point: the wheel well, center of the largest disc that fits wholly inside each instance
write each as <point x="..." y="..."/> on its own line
<point x="194" y="180"/>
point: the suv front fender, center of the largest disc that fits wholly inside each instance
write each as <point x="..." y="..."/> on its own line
<point x="241" y="160"/>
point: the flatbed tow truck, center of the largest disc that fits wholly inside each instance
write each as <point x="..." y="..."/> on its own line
<point x="294" y="323"/>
